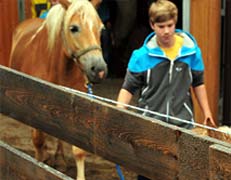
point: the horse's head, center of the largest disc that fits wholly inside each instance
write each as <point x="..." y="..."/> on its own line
<point x="81" y="36"/>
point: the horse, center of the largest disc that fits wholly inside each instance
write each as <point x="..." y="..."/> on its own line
<point x="64" y="49"/>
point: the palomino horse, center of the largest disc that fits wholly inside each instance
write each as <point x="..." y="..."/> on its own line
<point x="63" y="49"/>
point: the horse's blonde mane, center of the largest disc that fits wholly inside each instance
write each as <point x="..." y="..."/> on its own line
<point x="53" y="23"/>
<point x="58" y="16"/>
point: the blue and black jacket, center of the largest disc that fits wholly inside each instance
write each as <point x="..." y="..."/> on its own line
<point x="165" y="84"/>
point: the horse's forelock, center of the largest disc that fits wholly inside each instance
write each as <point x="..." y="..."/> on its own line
<point x="59" y="16"/>
<point x="53" y="23"/>
<point x="85" y="10"/>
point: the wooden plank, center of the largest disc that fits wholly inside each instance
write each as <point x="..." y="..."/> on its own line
<point x="117" y="135"/>
<point x="205" y="26"/>
<point x="194" y="155"/>
<point x="28" y="13"/>
<point x="8" y="22"/>
<point x="144" y="145"/>
<point x="16" y="165"/>
<point x="219" y="162"/>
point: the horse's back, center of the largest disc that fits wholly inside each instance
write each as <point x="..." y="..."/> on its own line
<point x="26" y="29"/>
<point x="28" y="25"/>
<point x="23" y="50"/>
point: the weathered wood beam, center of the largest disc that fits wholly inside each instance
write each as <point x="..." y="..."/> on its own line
<point x="194" y="155"/>
<point x="219" y="162"/>
<point x="146" y="146"/>
<point x="16" y="165"/>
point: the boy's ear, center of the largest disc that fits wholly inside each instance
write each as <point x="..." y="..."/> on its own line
<point x="65" y="3"/>
<point x="152" y="25"/>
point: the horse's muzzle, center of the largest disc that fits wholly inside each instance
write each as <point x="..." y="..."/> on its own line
<point x="97" y="74"/>
<point x="94" y="67"/>
<point x="96" y="71"/>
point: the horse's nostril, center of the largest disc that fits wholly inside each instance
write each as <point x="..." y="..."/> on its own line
<point x="101" y="74"/>
<point x="93" y="68"/>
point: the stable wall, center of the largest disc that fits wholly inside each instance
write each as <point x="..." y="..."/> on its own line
<point x="205" y="26"/>
<point x="9" y="18"/>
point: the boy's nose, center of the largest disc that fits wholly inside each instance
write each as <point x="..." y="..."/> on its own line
<point x="166" y="30"/>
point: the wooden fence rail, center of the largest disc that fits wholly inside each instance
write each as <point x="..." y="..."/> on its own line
<point x="16" y="165"/>
<point x="146" y="146"/>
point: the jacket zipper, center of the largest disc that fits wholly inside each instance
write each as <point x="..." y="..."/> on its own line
<point x="170" y="78"/>
<point x="170" y="70"/>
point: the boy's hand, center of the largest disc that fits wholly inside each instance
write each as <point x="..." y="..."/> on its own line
<point x="210" y="122"/>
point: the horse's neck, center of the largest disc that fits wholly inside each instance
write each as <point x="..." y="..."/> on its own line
<point x="67" y="72"/>
<point x="73" y="76"/>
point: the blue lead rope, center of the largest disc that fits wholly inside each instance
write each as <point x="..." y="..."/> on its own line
<point x="120" y="173"/>
<point x="118" y="169"/>
<point x="89" y="89"/>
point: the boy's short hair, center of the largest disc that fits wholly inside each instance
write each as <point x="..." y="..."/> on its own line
<point x="162" y="10"/>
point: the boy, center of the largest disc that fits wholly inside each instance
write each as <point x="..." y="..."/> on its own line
<point x="165" y="68"/>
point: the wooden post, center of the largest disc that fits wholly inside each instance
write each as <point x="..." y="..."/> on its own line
<point x="205" y="26"/>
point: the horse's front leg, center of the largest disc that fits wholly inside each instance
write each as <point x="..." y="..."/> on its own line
<point x="38" y="138"/>
<point x="79" y="155"/>
<point x="60" y="162"/>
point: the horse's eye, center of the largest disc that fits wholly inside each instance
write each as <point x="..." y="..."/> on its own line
<point x="74" y="28"/>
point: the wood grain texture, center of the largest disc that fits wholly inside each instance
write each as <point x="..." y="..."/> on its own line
<point x="219" y="162"/>
<point x="146" y="146"/>
<point x="16" y="165"/>
<point x="116" y="135"/>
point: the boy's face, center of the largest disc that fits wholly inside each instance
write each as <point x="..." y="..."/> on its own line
<point x="165" y="32"/>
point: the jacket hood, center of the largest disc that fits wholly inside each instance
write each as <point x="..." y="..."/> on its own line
<point x="151" y="49"/>
<point x="189" y="40"/>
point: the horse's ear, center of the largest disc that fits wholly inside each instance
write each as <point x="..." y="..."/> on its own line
<point x="65" y="3"/>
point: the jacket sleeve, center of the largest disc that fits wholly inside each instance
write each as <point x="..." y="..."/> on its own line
<point x="133" y="81"/>
<point x="197" y="67"/>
